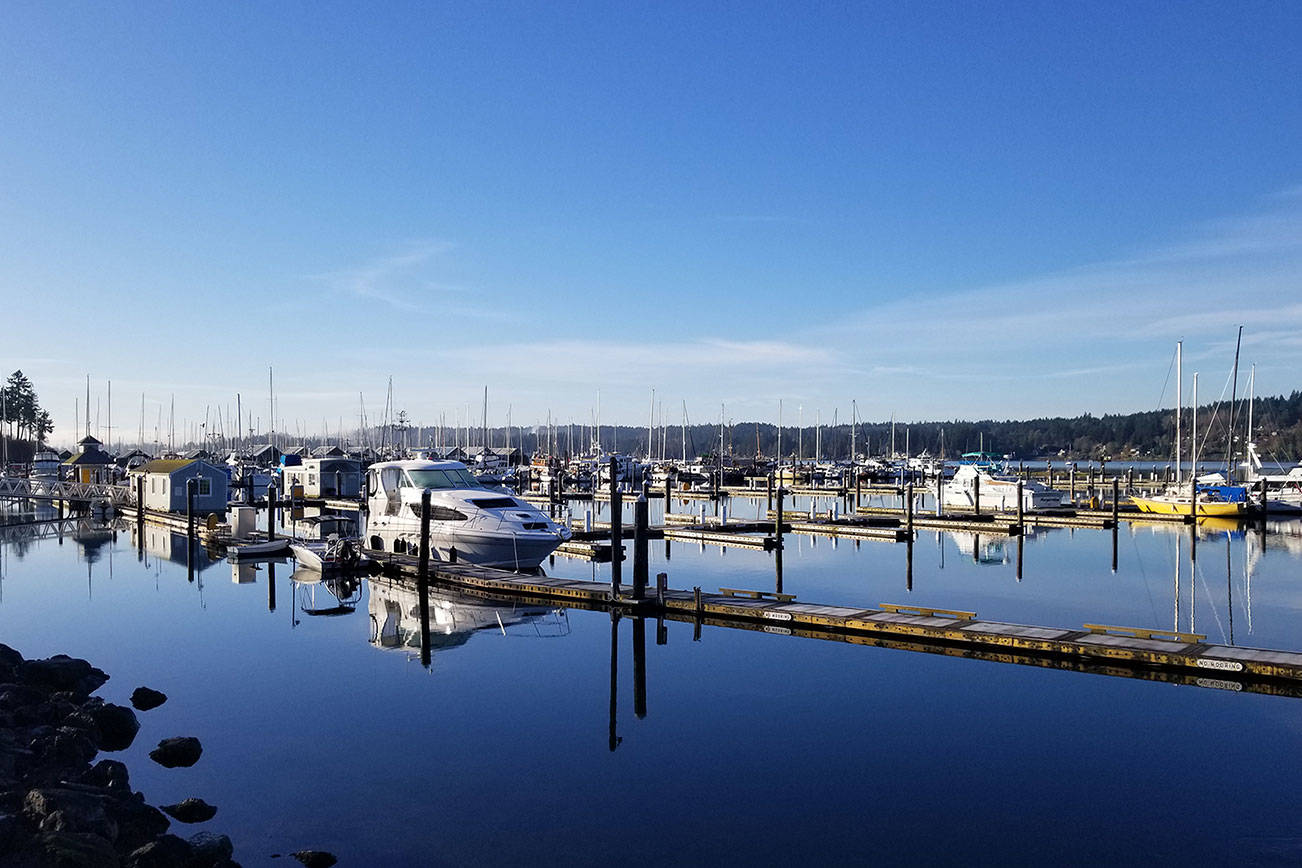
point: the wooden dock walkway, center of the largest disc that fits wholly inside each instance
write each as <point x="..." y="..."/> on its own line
<point x="1111" y="650"/>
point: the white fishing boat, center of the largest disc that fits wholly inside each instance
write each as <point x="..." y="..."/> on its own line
<point x="996" y="491"/>
<point x="483" y="526"/>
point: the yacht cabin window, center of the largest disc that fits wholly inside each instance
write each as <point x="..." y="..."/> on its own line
<point x="453" y="477"/>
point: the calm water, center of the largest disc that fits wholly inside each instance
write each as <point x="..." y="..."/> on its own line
<point x="326" y="732"/>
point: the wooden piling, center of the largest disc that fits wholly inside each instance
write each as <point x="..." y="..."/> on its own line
<point x="1021" y="520"/>
<point x="908" y="510"/>
<point x="190" y="485"/>
<point x="640" y="520"/>
<point x="976" y="494"/>
<point x="140" y="508"/>
<point x="777" y="523"/>
<point x="616" y="531"/>
<point x="271" y="511"/>
<point x="422" y="578"/>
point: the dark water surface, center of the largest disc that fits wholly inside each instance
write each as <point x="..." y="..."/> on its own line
<point x="754" y="748"/>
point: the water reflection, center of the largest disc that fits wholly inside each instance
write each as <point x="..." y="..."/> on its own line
<point x="318" y="596"/>
<point x="394" y="607"/>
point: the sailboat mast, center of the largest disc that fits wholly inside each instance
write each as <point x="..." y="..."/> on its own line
<point x="854" y="414"/>
<point x="1179" y="389"/>
<point x="1193" y="434"/>
<point x="1234" y="394"/>
<point x="1252" y="395"/>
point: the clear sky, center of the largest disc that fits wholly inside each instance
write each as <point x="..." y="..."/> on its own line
<point x="939" y="210"/>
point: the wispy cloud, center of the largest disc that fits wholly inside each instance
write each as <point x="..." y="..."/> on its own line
<point x="396" y="279"/>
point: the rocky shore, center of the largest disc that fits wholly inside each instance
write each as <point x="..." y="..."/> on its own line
<point x="59" y="806"/>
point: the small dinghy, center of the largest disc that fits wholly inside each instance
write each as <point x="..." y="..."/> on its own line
<point x="258" y="551"/>
<point x="330" y="555"/>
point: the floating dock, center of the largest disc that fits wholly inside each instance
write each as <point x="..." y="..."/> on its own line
<point x="1113" y="650"/>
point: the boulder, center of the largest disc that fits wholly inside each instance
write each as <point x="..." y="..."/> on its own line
<point x="60" y="753"/>
<point x="20" y="695"/>
<point x="315" y="858"/>
<point x="168" y="851"/>
<point x="144" y="698"/>
<point x="77" y="850"/>
<point x="9" y="657"/>
<point x="110" y="775"/>
<point x="55" y="809"/>
<point x="190" y="811"/>
<point x="138" y="823"/>
<point x="183" y="751"/>
<point x="61" y="672"/>
<point x="211" y="848"/>
<point x="117" y="726"/>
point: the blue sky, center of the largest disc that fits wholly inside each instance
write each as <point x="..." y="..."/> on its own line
<point x="939" y="210"/>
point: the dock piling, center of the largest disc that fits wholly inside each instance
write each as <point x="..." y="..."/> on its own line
<point x="271" y="511"/>
<point x="422" y="578"/>
<point x="908" y="511"/>
<point x="640" y="511"/>
<point x="616" y="532"/>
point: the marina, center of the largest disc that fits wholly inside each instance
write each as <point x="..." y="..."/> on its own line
<point x="673" y="435"/>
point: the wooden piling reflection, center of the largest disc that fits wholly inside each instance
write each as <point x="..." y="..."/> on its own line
<point x="639" y="667"/>
<point x="614" y="738"/>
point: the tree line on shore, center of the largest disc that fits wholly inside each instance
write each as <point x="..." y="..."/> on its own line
<point x="24" y="423"/>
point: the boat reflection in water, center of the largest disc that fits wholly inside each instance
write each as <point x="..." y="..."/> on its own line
<point x="327" y="596"/>
<point x="395" y="609"/>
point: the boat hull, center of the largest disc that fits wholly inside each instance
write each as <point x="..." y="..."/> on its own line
<point x="1181" y="506"/>
<point x="525" y="551"/>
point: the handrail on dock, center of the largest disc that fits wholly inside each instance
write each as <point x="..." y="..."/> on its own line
<point x="902" y="609"/>
<point x="1146" y="633"/>
<point x="757" y="595"/>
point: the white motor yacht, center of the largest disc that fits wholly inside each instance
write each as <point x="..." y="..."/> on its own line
<point x="997" y="491"/>
<point x="484" y="526"/>
<point x="45" y="465"/>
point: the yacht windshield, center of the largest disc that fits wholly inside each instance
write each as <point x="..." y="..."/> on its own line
<point x="451" y="478"/>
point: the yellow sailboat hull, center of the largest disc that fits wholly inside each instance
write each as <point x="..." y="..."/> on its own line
<point x="1181" y="506"/>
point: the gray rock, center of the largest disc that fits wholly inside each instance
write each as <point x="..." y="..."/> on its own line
<point x="168" y="851"/>
<point x="117" y="726"/>
<point x="211" y="847"/>
<point x="190" y="811"/>
<point x="138" y="823"/>
<point x="144" y="698"/>
<point x="110" y="775"/>
<point x="77" y="850"/>
<point x="54" y="809"/>
<point x="183" y="751"/>
<point x="19" y="695"/>
<point x="61" y="753"/>
<point x="61" y="672"/>
<point x="9" y="657"/>
<point x="315" y="858"/>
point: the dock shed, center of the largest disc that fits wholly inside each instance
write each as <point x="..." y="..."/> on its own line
<point x="165" y="482"/>
<point x="325" y="477"/>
